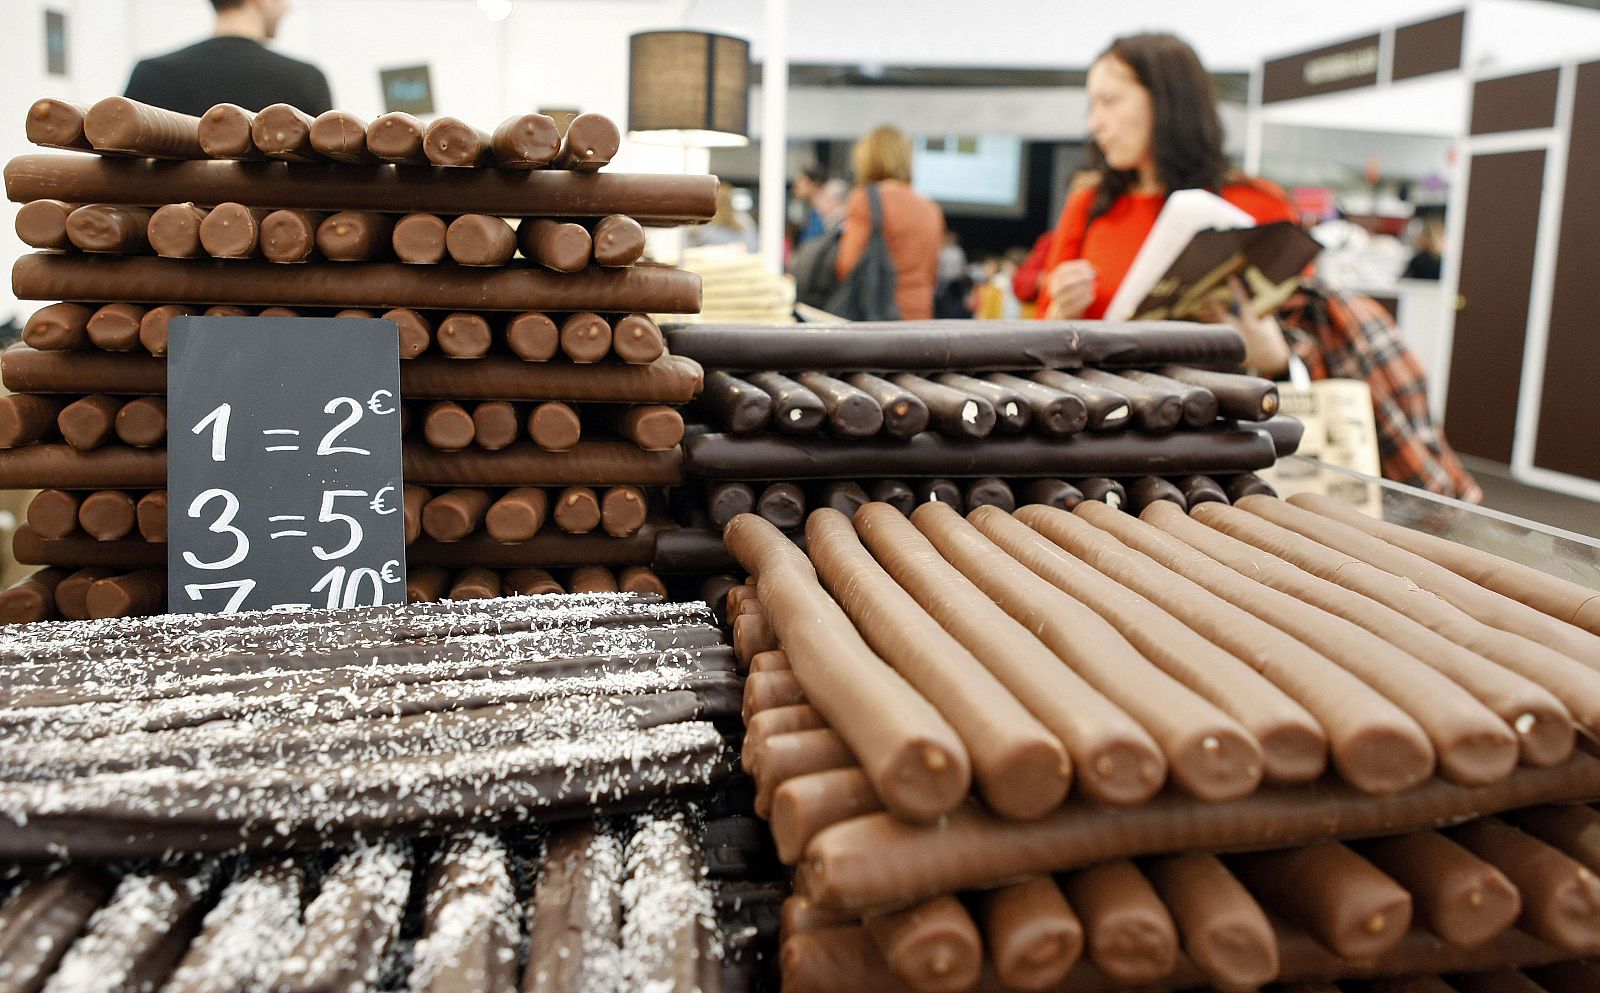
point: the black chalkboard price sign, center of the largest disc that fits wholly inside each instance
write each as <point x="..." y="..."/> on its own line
<point x="283" y="464"/>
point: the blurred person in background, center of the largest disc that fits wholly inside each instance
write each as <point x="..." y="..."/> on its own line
<point x="913" y="225"/>
<point x="731" y="225"/>
<point x="806" y="188"/>
<point x="232" y="66"/>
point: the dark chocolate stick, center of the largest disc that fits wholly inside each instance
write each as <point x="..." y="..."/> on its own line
<point x="740" y="407"/>
<point x="282" y="131"/>
<point x="1199" y="404"/>
<point x="851" y="412"/>
<point x="648" y="199"/>
<point x="340" y="136"/>
<point x="1149" y="489"/>
<point x="1055" y="413"/>
<point x="844" y="496"/>
<point x="893" y="492"/>
<point x="224" y="132"/>
<point x="1012" y="410"/>
<point x="1154" y="410"/>
<point x="117" y="124"/>
<point x="1201" y="489"/>
<point x="1056" y="493"/>
<point x="618" y="240"/>
<point x="945" y="491"/>
<point x="578" y="902"/>
<point x="1107" y="409"/>
<point x="904" y="414"/>
<point x="1243" y="398"/>
<point x="590" y="143"/>
<point x="44" y="917"/>
<point x="725" y="501"/>
<point x="526" y="141"/>
<point x="951" y="412"/>
<point x="990" y="492"/>
<point x="174" y="231"/>
<point x="1247" y="484"/>
<point x="783" y="505"/>
<point x="352" y="922"/>
<point x="795" y="409"/>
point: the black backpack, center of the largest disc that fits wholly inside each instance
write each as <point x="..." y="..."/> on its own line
<point x="867" y="294"/>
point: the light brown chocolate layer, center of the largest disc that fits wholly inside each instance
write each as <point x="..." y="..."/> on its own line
<point x="142" y="422"/>
<point x="562" y="246"/>
<point x="516" y="515"/>
<point x="174" y="231"/>
<point x="1560" y="895"/>
<point x="232" y="231"/>
<point x="623" y="510"/>
<point x="151" y="513"/>
<point x="447" y="426"/>
<point x="533" y="337"/>
<point x="132" y="594"/>
<point x="355" y="236"/>
<point x="72" y="594"/>
<point x="585" y="338"/>
<point x="640" y="579"/>
<point x="464" y="336"/>
<point x="495" y="425"/>
<point x="653" y="427"/>
<point x="592" y="579"/>
<point x="107" y="515"/>
<point x="32" y="598"/>
<point x="1326" y="888"/>
<point x="54" y="513"/>
<point x="47" y="465"/>
<point x="88" y="423"/>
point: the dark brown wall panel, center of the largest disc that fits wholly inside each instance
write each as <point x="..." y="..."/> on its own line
<point x="1347" y="65"/>
<point x="1569" y="407"/>
<point x="1496" y="277"/>
<point x="1515" y="103"/>
<point x="1429" y="46"/>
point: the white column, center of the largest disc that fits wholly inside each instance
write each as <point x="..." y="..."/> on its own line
<point x="1253" y="124"/>
<point x="774" y="129"/>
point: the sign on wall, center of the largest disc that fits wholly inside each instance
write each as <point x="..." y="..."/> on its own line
<point x="407" y="90"/>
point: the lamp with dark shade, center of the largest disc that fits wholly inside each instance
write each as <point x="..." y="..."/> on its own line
<point x="688" y="87"/>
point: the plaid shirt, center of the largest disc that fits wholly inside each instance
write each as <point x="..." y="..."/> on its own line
<point x="1342" y="335"/>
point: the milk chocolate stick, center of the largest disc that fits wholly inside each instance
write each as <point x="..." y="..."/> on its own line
<point x="1472" y="743"/>
<point x="224" y="132"/>
<point x="43" y="224"/>
<point x="340" y="136"/>
<point x="526" y="141"/>
<point x="151" y="515"/>
<point x="1200" y="405"/>
<point x="415" y="498"/>
<point x="1560" y="896"/>
<point x="516" y="515"/>
<point x="576" y="510"/>
<point x="1294" y="746"/>
<point x="475" y="583"/>
<point x="107" y="515"/>
<point x="653" y="427"/>
<point x="648" y="199"/>
<point x="851" y="412"/>
<point x="447" y="426"/>
<point x="1020" y="769"/>
<point x="426" y="583"/>
<point x="1374" y="744"/>
<point x="1209" y="753"/>
<point x="115" y="327"/>
<point x="795" y="409"/>
<point x="58" y="124"/>
<point x="1455" y="894"/>
<point x="354" y="235"/>
<point x="88" y="423"/>
<point x="32" y="599"/>
<point x="153" y="326"/>
<point x="232" y="231"/>
<point x="564" y="247"/>
<point x="1107" y="410"/>
<point x="117" y="124"/>
<point x="416" y="331"/>
<point x="1490" y="607"/>
<point x="281" y="131"/>
<point x="1542" y="724"/>
<point x="585" y="338"/>
<point x="1566" y="601"/>
<point x="1329" y="890"/>
<point x="397" y="137"/>
<point x="54" y="513"/>
<point x="277" y="312"/>
<point x="529" y="582"/>
<point x="41" y="276"/>
<point x="142" y="422"/>
<point x="450" y="141"/>
<point x="1573" y="830"/>
<point x="1012" y="411"/>
<point x="58" y="327"/>
<point x="1032" y="935"/>
<point x="289" y="236"/>
<point x="72" y="595"/>
<point x="1223" y="930"/>
<point x="481" y="240"/>
<point x="752" y="636"/>
<point x="640" y="579"/>
<point x="419" y="239"/>
<point x="549" y="549"/>
<point x="951" y="412"/>
<point x="934" y="946"/>
<point x="464" y="336"/>
<point x="495" y="425"/>
<point x="782" y="757"/>
<point x="454" y="514"/>
<point x="911" y="754"/>
<point x="133" y="594"/>
<point x="175" y="231"/>
<point x="554" y="427"/>
<point x="592" y="579"/>
<point x="590" y="143"/>
<point x="1128" y="933"/>
<point x="618" y="240"/>
<point x="533" y="337"/>
<point x="1116" y="760"/>
<point x="637" y="340"/>
<point x="27" y="419"/>
<point x="107" y="228"/>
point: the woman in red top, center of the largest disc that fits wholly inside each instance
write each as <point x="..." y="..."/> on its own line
<point x="1154" y="129"/>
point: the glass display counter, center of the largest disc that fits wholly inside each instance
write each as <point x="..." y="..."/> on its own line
<point x="1564" y="554"/>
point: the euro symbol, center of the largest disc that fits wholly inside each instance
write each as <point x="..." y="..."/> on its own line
<point x="376" y="505"/>
<point x="389" y="567"/>
<point x="375" y="404"/>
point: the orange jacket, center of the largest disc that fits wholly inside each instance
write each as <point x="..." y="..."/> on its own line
<point x="1112" y="241"/>
<point x="913" y="227"/>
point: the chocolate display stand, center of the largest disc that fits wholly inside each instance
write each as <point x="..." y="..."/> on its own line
<point x="280" y="508"/>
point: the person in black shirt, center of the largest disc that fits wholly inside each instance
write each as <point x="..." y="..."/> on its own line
<point x="232" y="66"/>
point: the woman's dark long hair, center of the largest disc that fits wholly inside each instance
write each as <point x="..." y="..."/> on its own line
<point x="1185" y="134"/>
